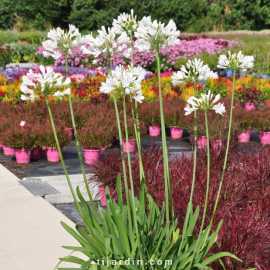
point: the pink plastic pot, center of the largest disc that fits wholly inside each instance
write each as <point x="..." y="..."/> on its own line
<point x="154" y="130"/>
<point x="265" y="137"/>
<point x="215" y="144"/>
<point x="36" y="153"/>
<point x="70" y="132"/>
<point x="102" y="194"/>
<point x="91" y="156"/>
<point x="52" y="154"/>
<point x="249" y="106"/>
<point x="131" y="146"/>
<point x="8" y="151"/>
<point x="22" y="156"/>
<point x="244" y="137"/>
<point x="176" y="132"/>
<point x="202" y="142"/>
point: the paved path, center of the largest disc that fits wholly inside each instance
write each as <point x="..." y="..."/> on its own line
<point x="30" y="232"/>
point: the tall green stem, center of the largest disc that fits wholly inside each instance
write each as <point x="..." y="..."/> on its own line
<point x="68" y="179"/>
<point x="207" y="190"/>
<point x="131" y="182"/>
<point x="165" y="151"/>
<point x="78" y="146"/>
<point x="226" y="154"/>
<point x="190" y="207"/>
<point x="138" y="135"/>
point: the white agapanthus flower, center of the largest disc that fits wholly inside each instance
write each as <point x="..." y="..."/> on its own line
<point x="205" y="102"/>
<point x="235" y="61"/>
<point x="61" y="41"/>
<point x="126" y="81"/>
<point x="195" y="70"/>
<point x="106" y="43"/>
<point x="154" y="35"/>
<point x="44" y="82"/>
<point x="125" y="23"/>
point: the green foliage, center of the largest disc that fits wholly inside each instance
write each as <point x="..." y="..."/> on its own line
<point x="7" y="14"/>
<point x="35" y="37"/>
<point x="115" y="239"/>
<point x="23" y="52"/>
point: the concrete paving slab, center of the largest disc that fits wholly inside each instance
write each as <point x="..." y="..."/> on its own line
<point x="31" y="234"/>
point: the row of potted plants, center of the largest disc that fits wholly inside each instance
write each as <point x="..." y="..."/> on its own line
<point x="97" y="129"/>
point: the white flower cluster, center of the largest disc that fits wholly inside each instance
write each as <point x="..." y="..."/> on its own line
<point x="126" y="81"/>
<point x="59" y="41"/>
<point x="235" y="62"/>
<point x="205" y="102"/>
<point x="41" y="83"/>
<point x="153" y="35"/>
<point x="106" y="43"/>
<point x="194" y="71"/>
<point x="125" y="23"/>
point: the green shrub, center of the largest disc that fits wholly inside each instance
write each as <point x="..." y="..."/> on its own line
<point x="23" y="52"/>
<point x="35" y="37"/>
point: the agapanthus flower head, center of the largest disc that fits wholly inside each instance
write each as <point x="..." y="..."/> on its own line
<point x="194" y="70"/>
<point x="46" y="82"/>
<point x="125" y="23"/>
<point x="105" y="43"/>
<point x="125" y="81"/>
<point x="204" y="102"/>
<point x="235" y="61"/>
<point x="154" y="35"/>
<point x="61" y="42"/>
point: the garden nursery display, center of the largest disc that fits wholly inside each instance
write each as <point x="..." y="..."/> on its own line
<point x="208" y="210"/>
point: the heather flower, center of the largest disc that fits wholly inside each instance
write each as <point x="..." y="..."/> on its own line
<point x="235" y="62"/>
<point x="205" y="102"/>
<point x="154" y="35"/>
<point x="126" y="81"/>
<point x="106" y="44"/>
<point x="125" y="23"/>
<point x="60" y="42"/>
<point x="46" y="82"/>
<point x="195" y="71"/>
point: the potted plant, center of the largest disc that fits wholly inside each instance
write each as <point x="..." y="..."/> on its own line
<point x="251" y="97"/>
<point x="262" y="122"/>
<point x="172" y="118"/>
<point x="22" y="140"/>
<point x="244" y="130"/>
<point x="150" y="115"/>
<point x="92" y="139"/>
<point x="50" y="143"/>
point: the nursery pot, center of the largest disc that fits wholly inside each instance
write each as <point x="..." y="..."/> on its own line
<point x="131" y="145"/>
<point x="22" y="156"/>
<point x="36" y="153"/>
<point x="249" y="106"/>
<point x="265" y="137"/>
<point x="202" y="142"/>
<point x="70" y="132"/>
<point x="8" y="151"/>
<point x="52" y="154"/>
<point x="267" y="103"/>
<point x="154" y="130"/>
<point x="176" y="132"/>
<point x="215" y="143"/>
<point x="229" y="72"/>
<point x="244" y="137"/>
<point x="102" y="196"/>
<point x="91" y="156"/>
